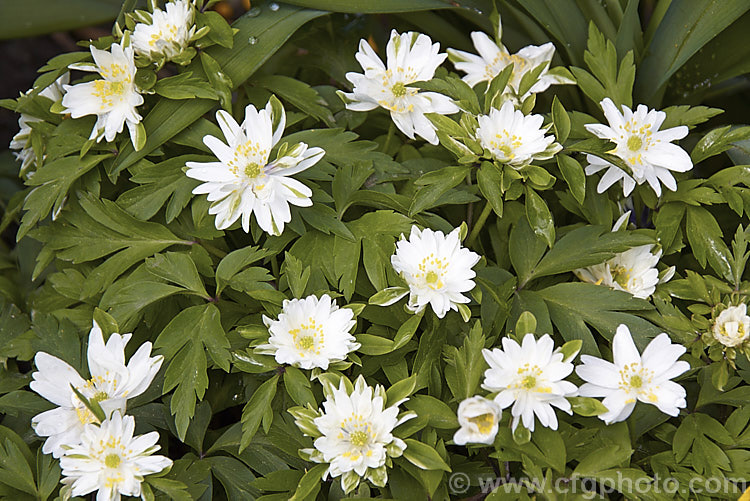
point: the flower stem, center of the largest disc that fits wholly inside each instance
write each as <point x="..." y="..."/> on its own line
<point x="388" y="137"/>
<point x="479" y="224"/>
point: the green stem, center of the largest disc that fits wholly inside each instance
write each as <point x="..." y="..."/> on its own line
<point x="388" y="137"/>
<point x="479" y="224"/>
<point x="212" y="249"/>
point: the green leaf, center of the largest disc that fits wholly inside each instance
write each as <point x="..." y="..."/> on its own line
<point x="234" y="262"/>
<point x="177" y="267"/>
<point x="440" y="415"/>
<point x="489" y="180"/>
<point x="100" y="229"/>
<point x="465" y="365"/>
<point x="407" y="330"/>
<point x="423" y="456"/>
<point x="561" y="120"/>
<point x="220" y="32"/>
<point x="51" y="185"/>
<point x="256" y="407"/>
<point x="310" y="484"/>
<point x="14" y="469"/>
<point x="539" y="217"/>
<point x="686" y="27"/>
<point x="38" y="17"/>
<point x="298" y="386"/>
<point x="298" y="93"/>
<point x="574" y="176"/>
<point x="718" y="141"/>
<point x="585" y="406"/>
<point x="184" y="342"/>
<point x="705" y="237"/>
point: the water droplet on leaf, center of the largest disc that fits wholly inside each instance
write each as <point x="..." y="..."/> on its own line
<point x="252" y="40"/>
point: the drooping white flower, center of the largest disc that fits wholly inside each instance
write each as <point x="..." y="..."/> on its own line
<point x="411" y="57"/>
<point x="437" y="269"/>
<point x="634" y="377"/>
<point x="357" y="434"/>
<point x="112" y="383"/>
<point x="514" y="138"/>
<point x="311" y="333"/>
<point x="169" y="32"/>
<point x="112" y="98"/>
<point x="529" y="376"/>
<point x="111" y="460"/>
<point x="493" y="58"/>
<point x="632" y="271"/>
<point x="732" y="326"/>
<point x="20" y="141"/>
<point x="647" y="151"/>
<point x="243" y="181"/>
<point x="479" y="420"/>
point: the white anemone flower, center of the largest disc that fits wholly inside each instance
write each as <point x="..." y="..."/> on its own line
<point x="411" y="57"/>
<point x="20" y="141"/>
<point x="529" y="376"/>
<point x="479" y="420"/>
<point x="111" y="460"/>
<point x="244" y="181"/>
<point x="168" y="34"/>
<point x="732" y="326"/>
<point x="493" y="58"/>
<point x="647" y="151"/>
<point x="112" y="98"/>
<point x="357" y="434"/>
<point x="112" y="383"/>
<point x="514" y="138"/>
<point x="310" y="333"/>
<point x="633" y="271"/>
<point x="437" y="269"/>
<point x="634" y="377"/>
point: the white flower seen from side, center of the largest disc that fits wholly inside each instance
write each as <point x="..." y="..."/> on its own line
<point x="311" y="333"/>
<point x="111" y="460"/>
<point x="478" y="418"/>
<point x="356" y="434"/>
<point x="633" y="271"/>
<point x="634" y="377"/>
<point x="514" y="138"/>
<point x="411" y="57"/>
<point x="529" y="376"/>
<point x="493" y="58"/>
<point x="732" y="326"/>
<point x="169" y="32"/>
<point x="112" y="383"/>
<point x="437" y="269"/>
<point x="647" y="151"/>
<point x="112" y="98"/>
<point x="244" y="181"/>
<point x="21" y="141"/>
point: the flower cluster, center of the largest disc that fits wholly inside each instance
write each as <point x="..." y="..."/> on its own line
<point x="531" y="377"/>
<point x="88" y="430"/>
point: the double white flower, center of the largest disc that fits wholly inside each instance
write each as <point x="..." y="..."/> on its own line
<point x="530" y="376"/>
<point x="310" y="333"/>
<point x="112" y="383"/>
<point x="411" y="57"/>
<point x="493" y="58"/>
<point x="645" y="149"/>
<point x="634" y="377"/>
<point x="243" y="181"/>
<point x="113" y="98"/>
<point x="437" y="269"/>
<point x="169" y="32"/>
<point x="111" y="460"/>
<point x="21" y="141"/>
<point x="633" y="270"/>
<point x="356" y="436"/>
<point x="515" y="139"/>
<point x="732" y="326"/>
<point x="479" y="420"/>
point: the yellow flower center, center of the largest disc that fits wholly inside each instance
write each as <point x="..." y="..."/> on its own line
<point x="636" y="381"/>
<point x="252" y="170"/>
<point x="308" y="337"/>
<point x="635" y="143"/>
<point x="359" y="438"/>
<point x="305" y="343"/>
<point x="484" y="422"/>
<point x="431" y="277"/>
<point x="112" y="461"/>
<point x="621" y="275"/>
<point x="398" y="89"/>
<point x="528" y="382"/>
